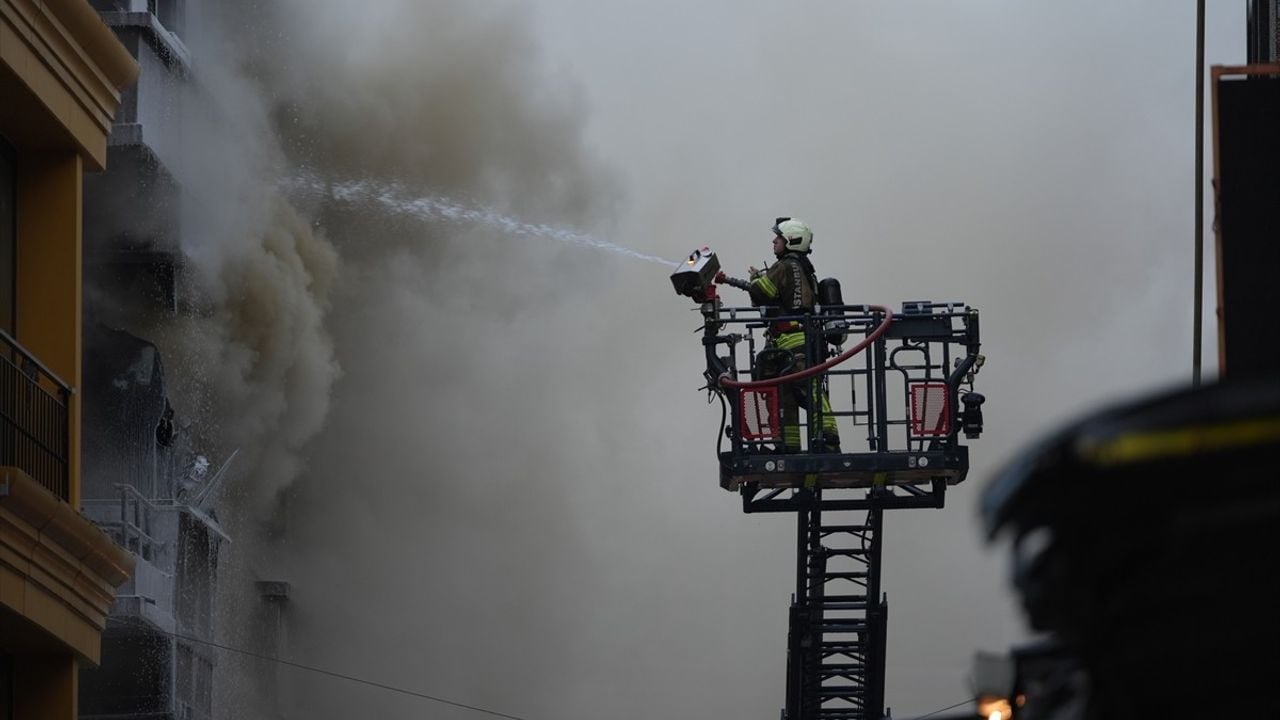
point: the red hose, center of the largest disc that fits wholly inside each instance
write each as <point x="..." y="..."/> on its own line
<point x="728" y="382"/>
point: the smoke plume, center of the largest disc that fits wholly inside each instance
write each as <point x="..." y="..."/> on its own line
<point x="478" y="455"/>
<point x="397" y="382"/>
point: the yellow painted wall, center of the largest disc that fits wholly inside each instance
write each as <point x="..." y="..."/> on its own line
<point x="71" y="64"/>
<point x="45" y="688"/>
<point x="61" y="70"/>
<point x="49" y="274"/>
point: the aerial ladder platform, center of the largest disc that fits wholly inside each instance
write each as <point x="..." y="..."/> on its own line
<point x="900" y="384"/>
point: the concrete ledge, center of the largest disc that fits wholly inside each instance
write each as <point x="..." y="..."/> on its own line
<point x="169" y="46"/>
<point x="83" y="24"/>
<point x="125" y="134"/>
<point x="74" y="533"/>
<point x="69" y="68"/>
<point x="57" y="569"/>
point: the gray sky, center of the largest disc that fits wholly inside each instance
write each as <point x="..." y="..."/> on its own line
<point x="1032" y="159"/>
<point x="513" y="502"/>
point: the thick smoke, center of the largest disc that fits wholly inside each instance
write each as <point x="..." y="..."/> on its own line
<point x="479" y="458"/>
<point x="405" y="391"/>
<point x="254" y="361"/>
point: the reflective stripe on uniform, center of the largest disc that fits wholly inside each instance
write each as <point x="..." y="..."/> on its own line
<point x="766" y="286"/>
<point x="828" y="420"/>
<point x="790" y="341"/>
<point x="791" y="435"/>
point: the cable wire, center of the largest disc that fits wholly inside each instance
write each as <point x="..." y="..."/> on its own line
<point x="321" y="671"/>
<point x="1198" y="279"/>
<point x="373" y="683"/>
<point x="949" y="707"/>
<point x="724" y="419"/>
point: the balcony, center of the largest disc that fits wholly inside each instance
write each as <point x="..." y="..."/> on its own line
<point x="132" y="211"/>
<point x="35" y="422"/>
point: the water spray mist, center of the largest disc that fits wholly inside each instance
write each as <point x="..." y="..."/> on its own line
<point x="396" y="198"/>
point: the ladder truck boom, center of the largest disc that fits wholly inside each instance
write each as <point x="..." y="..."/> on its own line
<point x="905" y="383"/>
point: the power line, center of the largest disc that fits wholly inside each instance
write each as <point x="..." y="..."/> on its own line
<point x="375" y="684"/>
<point x="320" y="671"/>
<point x="1198" y="284"/>
<point x="966" y="701"/>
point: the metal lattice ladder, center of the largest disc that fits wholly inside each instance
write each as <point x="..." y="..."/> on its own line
<point x="835" y="665"/>
<point x="908" y="391"/>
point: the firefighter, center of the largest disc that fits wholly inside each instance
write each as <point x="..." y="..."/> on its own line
<point x="789" y="287"/>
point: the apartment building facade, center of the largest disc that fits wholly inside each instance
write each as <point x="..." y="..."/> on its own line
<point x="61" y="76"/>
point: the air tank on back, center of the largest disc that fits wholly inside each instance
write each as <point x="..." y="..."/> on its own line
<point x="830" y="300"/>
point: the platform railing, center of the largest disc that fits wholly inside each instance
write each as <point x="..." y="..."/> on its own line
<point x="35" y="418"/>
<point x="902" y="390"/>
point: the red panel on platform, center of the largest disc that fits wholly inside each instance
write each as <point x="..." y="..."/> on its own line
<point x="758" y="414"/>
<point x="930" y="410"/>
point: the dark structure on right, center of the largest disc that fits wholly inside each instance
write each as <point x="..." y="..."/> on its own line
<point x="1144" y="536"/>
<point x="1246" y="172"/>
<point x="1144" y="542"/>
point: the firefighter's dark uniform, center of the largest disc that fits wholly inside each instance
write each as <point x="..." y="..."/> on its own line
<point x="791" y="286"/>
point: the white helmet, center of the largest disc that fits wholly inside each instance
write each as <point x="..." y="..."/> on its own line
<point x="797" y="235"/>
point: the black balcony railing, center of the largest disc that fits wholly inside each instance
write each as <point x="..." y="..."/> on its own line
<point x="35" y="421"/>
